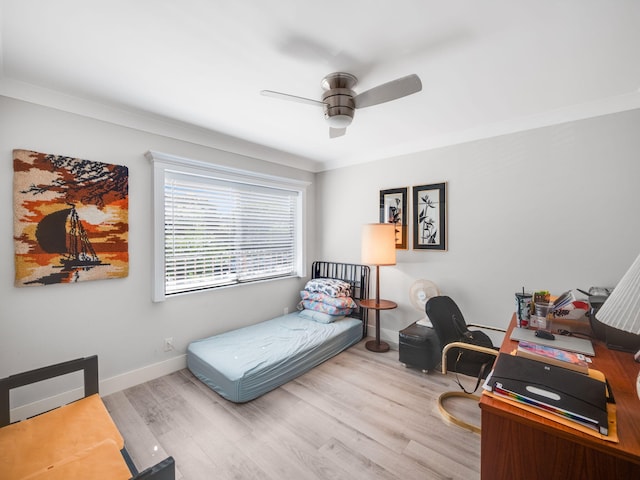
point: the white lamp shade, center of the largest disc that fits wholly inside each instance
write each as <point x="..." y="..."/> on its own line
<point x="621" y="309"/>
<point x="379" y="244"/>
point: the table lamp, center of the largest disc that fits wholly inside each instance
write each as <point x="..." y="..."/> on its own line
<point x="621" y="309"/>
<point x="379" y="249"/>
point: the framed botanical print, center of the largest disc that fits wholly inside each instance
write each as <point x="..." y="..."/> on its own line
<point x="430" y="217"/>
<point x="393" y="209"/>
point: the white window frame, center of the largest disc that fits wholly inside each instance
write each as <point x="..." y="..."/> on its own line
<point x="163" y="163"/>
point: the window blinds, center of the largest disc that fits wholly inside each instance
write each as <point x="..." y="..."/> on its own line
<point x="220" y="232"/>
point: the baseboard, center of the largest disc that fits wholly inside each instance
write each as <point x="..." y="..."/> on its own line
<point x="107" y="387"/>
<point x="389" y="336"/>
<point x="141" y="375"/>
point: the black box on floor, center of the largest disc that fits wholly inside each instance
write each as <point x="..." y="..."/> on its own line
<point x="419" y="347"/>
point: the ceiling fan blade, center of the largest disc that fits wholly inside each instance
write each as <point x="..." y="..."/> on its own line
<point x="386" y="92"/>
<point x="337" y="132"/>
<point x="291" y="98"/>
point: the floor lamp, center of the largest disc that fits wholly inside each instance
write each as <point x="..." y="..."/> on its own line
<point x="621" y="309"/>
<point x="379" y="249"/>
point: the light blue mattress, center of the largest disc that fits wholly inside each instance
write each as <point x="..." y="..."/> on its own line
<point x="243" y="364"/>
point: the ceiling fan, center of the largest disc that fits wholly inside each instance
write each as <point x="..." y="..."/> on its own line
<point x="339" y="101"/>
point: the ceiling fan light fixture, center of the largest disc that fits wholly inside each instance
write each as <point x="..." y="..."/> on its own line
<point x="339" y="121"/>
<point x="338" y="107"/>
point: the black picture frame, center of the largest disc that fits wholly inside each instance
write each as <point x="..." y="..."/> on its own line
<point x="393" y="209"/>
<point x="430" y="217"/>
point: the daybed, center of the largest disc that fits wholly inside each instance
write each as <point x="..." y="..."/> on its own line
<point x="243" y="364"/>
<point x="75" y="441"/>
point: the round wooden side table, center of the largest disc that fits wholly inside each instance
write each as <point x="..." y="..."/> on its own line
<point x="376" y="345"/>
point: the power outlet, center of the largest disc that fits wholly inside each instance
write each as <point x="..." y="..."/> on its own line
<point x="168" y="344"/>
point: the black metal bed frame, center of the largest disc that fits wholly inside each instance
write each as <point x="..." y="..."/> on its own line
<point x="356" y="275"/>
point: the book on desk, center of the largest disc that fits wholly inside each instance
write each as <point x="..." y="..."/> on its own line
<point x="557" y="390"/>
<point x="554" y="356"/>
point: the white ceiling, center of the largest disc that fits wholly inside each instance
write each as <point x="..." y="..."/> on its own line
<point x="488" y="67"/>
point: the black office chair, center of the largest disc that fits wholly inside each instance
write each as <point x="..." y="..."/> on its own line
<point x="464" y="351"/>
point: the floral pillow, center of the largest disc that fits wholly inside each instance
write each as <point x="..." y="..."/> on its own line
<point x="323" y="307"/>
<point x="320" y="317"/>
<point x="342" y="302"/>
<point x="329" y="286"/>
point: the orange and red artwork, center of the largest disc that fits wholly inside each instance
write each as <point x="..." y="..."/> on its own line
<point x="71" y="219"/>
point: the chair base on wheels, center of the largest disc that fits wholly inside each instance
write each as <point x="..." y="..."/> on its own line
<point x="452" y="418"/>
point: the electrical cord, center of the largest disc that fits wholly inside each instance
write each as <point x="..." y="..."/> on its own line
<point x="569" y="333"/>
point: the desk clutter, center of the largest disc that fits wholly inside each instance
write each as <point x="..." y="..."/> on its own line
<point x="538" y="309"/>
<point x="550" y="373"/>
<point x="541" y="310"/>
<point x="526" y="441"/>
<point x="569" y="396"/>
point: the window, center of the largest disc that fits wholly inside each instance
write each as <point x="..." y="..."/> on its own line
<point x="217" y="226"/>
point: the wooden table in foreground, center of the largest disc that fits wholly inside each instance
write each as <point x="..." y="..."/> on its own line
<point x="516" y="444"/>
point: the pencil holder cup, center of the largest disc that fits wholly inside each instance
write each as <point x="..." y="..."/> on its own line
<point x="543" y="311"/>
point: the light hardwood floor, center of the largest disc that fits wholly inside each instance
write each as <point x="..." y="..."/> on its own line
<point x="360" y="415"/>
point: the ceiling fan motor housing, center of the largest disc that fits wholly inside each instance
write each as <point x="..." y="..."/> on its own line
<point x="339" y="101"/>
<point x="339" y="105"/>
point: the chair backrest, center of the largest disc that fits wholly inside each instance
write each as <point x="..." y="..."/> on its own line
<point x="446" y="318"/>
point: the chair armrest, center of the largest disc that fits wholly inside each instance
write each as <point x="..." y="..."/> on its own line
<point x="468" y="346"/>
<point x="88" y="364"/>
<point x="487" y="327"/>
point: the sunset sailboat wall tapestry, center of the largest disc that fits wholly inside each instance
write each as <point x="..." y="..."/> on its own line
<point x="71" y="219"/>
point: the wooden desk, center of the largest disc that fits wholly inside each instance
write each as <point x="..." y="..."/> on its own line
<point x="516" y="444"/>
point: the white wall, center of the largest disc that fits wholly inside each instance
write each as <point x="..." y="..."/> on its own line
<point x="115" y="318"/>
<point x="553" y="208"/>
